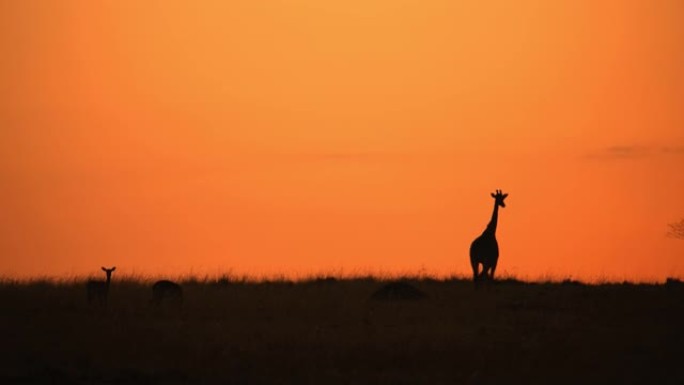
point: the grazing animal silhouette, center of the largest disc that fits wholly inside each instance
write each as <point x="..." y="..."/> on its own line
<point x="485" y="250"/>
<point x="165" y="290"/>
<point x="398" y="291"/>
<point x="99" y="290"/>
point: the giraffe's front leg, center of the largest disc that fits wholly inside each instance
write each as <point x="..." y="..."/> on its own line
<point x="475" y="267"/>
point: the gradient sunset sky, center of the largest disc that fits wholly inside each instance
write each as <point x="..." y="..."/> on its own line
<point x="309" y="136"/>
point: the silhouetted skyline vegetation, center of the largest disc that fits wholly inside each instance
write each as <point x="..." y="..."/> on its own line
<point x="340" y="331"/>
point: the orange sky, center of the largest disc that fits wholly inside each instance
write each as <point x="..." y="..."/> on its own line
<point x="264" y="136"/>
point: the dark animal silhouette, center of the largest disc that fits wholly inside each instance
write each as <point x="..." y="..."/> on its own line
<point x="166" y="291"/>
<point x="398" y="291"/>
<point x="98" y="291"/>
<point x="485" y="250"/>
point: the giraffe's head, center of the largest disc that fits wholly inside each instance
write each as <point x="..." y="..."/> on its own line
<point x="499" y="198"/>
<point x="108" y="271"/>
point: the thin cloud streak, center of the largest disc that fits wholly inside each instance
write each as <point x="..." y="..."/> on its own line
<point x="634" y="152"/>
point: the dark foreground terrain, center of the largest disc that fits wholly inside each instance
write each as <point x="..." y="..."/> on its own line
<point x="334" y="332"/>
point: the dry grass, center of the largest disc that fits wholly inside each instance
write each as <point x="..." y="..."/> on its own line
<point x="234" y="331"/>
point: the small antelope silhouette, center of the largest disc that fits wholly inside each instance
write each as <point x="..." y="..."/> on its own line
<point x="99" y="290"/>
<point x="485" y="250"/>
<point x="166" y="290"/>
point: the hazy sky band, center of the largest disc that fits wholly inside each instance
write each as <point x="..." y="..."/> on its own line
<point x="288" y="136"/>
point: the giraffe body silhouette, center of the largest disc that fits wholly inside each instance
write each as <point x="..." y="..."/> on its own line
<point x="485" y="249"/>
<point x="98" y="291"/>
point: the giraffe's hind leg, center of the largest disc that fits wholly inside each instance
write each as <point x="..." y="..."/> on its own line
<point x="491" y="274"/>
<point x="492" y="267"/>
<point x="475" y="267"/>
<point x="487" y="272"/>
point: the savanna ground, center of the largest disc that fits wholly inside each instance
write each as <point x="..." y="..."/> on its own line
<point x="332" y="332"/>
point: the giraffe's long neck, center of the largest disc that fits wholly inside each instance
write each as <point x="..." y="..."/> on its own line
<point x="491" y="227"/>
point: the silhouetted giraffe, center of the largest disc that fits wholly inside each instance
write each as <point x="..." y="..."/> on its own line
<point x="485" y="250"/>
<point x="99" y="290"/>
